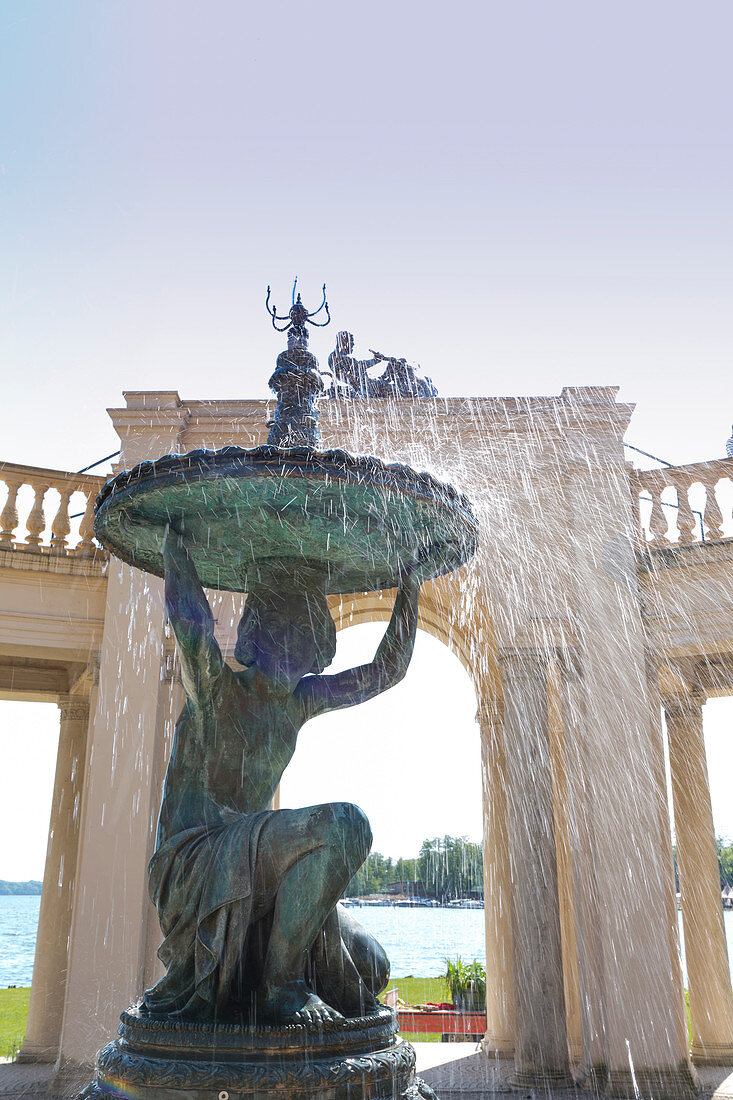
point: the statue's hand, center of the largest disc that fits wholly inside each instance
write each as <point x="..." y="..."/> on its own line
<point x="376" y="354"/>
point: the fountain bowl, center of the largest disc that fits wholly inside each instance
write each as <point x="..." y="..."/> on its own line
<point x="362" y="522"/>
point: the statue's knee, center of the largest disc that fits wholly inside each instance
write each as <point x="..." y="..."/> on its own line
<point x="355" y="828"/>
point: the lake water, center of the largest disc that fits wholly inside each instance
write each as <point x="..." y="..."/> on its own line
<point x="417" y="941"/>
<point x="18" y="924"/>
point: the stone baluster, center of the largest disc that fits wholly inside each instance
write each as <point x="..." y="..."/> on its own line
<point x="36" y="521"/>
<point x="713" y="514"/>
<point x="658" y="522"/>
<point x="9" y="517"/>
<point x="86" y="528"/>
<point x="61" y="524"/>
<point x="686" y="520"/>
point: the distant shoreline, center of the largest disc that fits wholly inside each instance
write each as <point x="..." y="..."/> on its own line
<point x="19" y="889"/>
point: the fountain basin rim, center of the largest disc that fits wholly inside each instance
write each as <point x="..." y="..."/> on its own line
<point x="411" y="480"/>
<point x="364" y="523"/>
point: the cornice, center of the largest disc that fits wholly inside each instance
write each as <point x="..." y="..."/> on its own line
<point x="28" y="561"/>
<point x="575" y="409"/>
<point x="690" y="555"/>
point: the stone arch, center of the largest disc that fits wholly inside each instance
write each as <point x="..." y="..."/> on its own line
<point x="458" y="633"/>
<point x="471" y="638"/>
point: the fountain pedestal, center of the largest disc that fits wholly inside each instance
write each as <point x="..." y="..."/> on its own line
<point x="163" y="1058"/>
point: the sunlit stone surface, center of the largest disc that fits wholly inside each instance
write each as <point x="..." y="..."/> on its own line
<point x="565" y="570"/>
<point x="270" y="986"/>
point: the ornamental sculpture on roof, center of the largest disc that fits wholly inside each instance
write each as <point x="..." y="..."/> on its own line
<point x="350" y="376"/>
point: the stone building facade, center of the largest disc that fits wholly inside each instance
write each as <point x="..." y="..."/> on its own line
<point x="577" y="624"/>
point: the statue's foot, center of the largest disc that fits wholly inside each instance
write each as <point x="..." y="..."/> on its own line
<point x="354" y="998"/>
<point x="294" y="1003"/>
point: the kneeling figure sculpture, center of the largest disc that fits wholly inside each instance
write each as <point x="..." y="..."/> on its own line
<point x="271" y="985"/>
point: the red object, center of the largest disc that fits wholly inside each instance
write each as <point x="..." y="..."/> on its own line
<point x="445" y="1021"/>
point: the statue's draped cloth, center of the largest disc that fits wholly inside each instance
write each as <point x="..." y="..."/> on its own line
<point x="201" y="881"/>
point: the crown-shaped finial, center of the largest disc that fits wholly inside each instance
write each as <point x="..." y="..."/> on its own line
<point x="297" y="380"/>
<point x="298" y="315"/>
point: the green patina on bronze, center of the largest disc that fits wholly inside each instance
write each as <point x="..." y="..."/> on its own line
<point x="247" y="896"/>
<point x="361" y="521"/>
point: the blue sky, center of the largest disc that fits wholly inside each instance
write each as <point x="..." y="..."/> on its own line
<point x="519" y="197"/>
<point x="516" y="196"/>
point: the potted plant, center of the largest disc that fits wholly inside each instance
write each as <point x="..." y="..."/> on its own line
<point x="467" y="984"/>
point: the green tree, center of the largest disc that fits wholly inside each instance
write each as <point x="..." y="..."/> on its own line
<point x="371" y="877"/>
<point x="405" y="870"/>
<point x="450" y="867"/>
<point x="725" y="861"/>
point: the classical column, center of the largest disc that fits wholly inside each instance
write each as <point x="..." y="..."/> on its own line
<point x="52" y="942"/>
<point x="711" y="1000"/>
<point x="658" y="774"/>
<point x="499" y="1038"/>
<point x="572" y="797"/>
<point x="541" y="1044"/>
<point x="566" y="847"/>
<point x="111" y="924"/>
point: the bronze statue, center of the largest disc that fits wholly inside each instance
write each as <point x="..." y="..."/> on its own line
<point x="351" y="376"/>
<point x="246" y="895"/>
<point x="271" y="986"/>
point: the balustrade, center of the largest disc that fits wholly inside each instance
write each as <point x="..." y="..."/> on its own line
<point x="696" y="512"/>
<point x="700" y="508"/>
<point x="49" y="523"/>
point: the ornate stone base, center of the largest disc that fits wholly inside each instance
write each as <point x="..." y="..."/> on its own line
<point x="160" y="1058"/>
<point x="714" y="1054"/>
<point x="662" y="1084"/>
<point x="544" y="1080"/>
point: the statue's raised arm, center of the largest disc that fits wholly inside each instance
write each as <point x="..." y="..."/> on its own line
<point x="345" y="689"/>
<point x="191" y="618"/>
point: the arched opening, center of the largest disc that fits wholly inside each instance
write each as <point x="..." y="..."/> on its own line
<point x="411" y="758"/>
<point x="29" y="738"/>
<point x="719" y="756"/>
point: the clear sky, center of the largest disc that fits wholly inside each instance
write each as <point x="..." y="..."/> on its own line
<point x="516" y="196"/>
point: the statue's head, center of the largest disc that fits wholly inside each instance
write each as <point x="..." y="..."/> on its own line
<point x="344" y="342"/>
<point x="287" y="630"/>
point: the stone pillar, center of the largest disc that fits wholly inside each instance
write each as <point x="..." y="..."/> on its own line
<point x="46" y="1007"/>
<point x="541" y="1044"/>
<point x="499" y="1038"/>
<point x="658" y="772"/>
<point x="108" y="946"/>
<point x="643" y="1049"/>
<point x="711" y="999"/>
<point x="580" y="914"/>
<point x="566" y="848"/>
